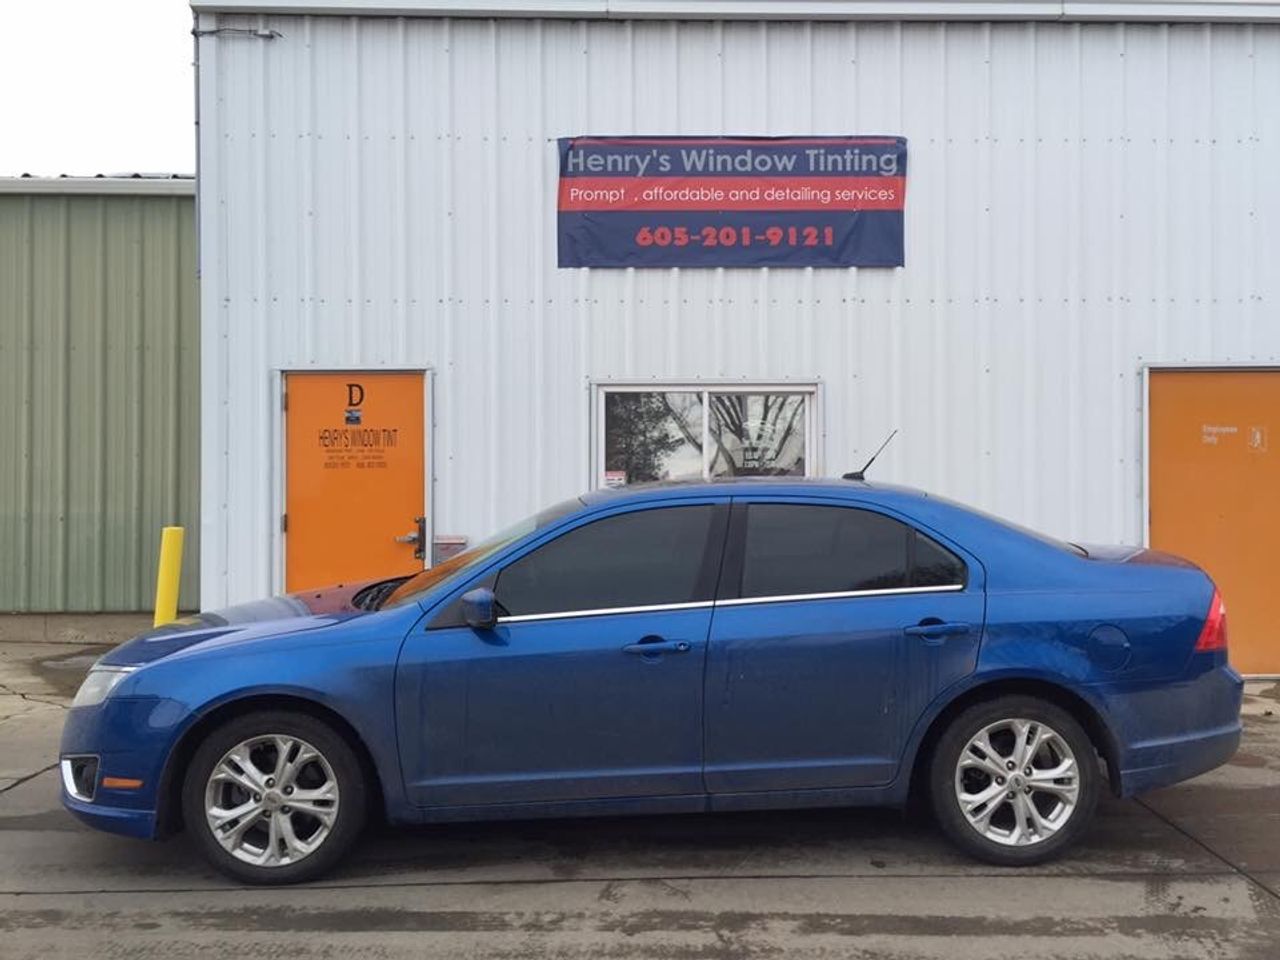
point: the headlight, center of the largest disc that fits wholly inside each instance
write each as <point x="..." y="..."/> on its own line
<point x="98" y="685"/>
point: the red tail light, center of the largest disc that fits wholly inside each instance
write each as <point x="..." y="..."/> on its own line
<point x="1213" y="636"/>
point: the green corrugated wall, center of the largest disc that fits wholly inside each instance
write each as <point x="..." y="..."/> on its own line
<point x="99" y="398"/>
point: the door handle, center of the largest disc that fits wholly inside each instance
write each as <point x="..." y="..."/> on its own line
<point x="653" y="646"/>
<point x="937" y="629"/>
<point x="418" y="538"/>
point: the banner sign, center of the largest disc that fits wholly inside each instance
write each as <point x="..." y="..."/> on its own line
<point x="731" y="201"/>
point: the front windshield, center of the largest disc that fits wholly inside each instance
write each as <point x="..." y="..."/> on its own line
<point x="457" y="566"/>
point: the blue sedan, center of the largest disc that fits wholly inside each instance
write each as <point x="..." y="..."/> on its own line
<point x="674" y="648"/>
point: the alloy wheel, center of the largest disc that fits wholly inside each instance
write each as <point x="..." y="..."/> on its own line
<point x="1017" y="782"/>
<point x="271" y="800"/>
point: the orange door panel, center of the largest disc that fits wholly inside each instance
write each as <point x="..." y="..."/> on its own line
<point x="354" y="476"/>
<point x="1213" y="477"/>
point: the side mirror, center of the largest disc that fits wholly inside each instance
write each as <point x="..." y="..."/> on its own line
<point x="479" y="608"/>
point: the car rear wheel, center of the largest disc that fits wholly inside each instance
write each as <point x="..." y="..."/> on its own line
<point x="1014" y="781"/>
<point x="274" y="797"/>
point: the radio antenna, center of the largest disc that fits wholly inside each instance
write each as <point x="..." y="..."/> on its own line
<point x="862" y="474"/>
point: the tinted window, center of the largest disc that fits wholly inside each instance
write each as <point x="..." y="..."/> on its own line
<point x="791" y="548"/>
<point x="630" y="560"/>
<point x="461" y="564"/>
<point x="798" y="549"/>
<point x="934" y="565"/>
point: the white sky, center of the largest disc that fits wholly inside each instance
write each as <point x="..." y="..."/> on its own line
<point x="96" y="86"/>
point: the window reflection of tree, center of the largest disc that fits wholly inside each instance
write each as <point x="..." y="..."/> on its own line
<point x="781" y="421"/>
<point x="638" y="437"/>
<point x="763" y="439"/>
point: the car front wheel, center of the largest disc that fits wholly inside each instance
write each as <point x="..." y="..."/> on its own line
<point x="1014" y="781"/>
<point x="274" y="797"/>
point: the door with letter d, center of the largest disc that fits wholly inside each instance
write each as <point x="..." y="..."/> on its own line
<point x="355" y="504"/>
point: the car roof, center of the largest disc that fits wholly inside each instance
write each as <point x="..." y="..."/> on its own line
<point x="730" y="486"/>
<point x="1010" y="554"/>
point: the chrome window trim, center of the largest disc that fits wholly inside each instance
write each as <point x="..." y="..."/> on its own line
<point x="736" y="602"/>
<point x="887" y="592"/>
<point x="602" y="611"/>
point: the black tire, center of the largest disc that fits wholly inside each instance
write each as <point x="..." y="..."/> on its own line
<point x="943" y="776"/>
<point x="342" y="761"/>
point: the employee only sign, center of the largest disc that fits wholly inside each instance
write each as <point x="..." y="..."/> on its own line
<point x="731" y="201"/>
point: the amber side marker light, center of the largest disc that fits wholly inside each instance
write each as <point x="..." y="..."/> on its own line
<point x="1213" y="635"/>
<point x="121" y="783"/>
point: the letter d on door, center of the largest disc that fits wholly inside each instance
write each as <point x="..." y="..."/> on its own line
<point x="355" y="394"/>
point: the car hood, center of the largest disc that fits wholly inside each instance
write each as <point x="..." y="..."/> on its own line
<point x="276" y="616"/>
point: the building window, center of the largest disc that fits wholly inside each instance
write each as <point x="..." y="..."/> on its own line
<point x="685" y="433"/>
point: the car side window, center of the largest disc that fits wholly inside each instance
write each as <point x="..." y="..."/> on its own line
<point x="933" y="565"/>
<point x="798" y="549"/>
<point x="636" y="559"/>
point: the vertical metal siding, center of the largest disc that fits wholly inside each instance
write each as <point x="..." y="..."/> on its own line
<point x="99" y="372"/>
<point x="1082" y="198"/>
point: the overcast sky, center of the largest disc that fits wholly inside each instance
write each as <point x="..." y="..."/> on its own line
<point x="96" y="86"/>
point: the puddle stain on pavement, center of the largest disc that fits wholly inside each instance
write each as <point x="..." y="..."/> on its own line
<point x="64" y="673"/>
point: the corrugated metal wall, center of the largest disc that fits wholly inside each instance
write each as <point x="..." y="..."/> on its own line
<point x="99" y="385"/>
<point x="1081" y="199"/>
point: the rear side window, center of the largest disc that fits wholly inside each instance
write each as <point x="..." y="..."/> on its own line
<point x="934" y="565"/>
<point x="637" y="559"/>
<point x="796" y="549"/>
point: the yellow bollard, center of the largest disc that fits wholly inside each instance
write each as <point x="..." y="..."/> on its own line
<point x="167" y="576"/>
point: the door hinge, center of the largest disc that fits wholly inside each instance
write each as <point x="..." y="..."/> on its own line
<point x="284" y="523"/>
<point x="284" y="400"/>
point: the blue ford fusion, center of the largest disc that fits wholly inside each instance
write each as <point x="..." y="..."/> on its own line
<point x="676" y="648"/>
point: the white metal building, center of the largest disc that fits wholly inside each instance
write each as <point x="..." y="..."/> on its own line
<point x="1093" y="190"/>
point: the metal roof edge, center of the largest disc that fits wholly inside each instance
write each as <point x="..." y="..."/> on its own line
<point x="1072" y="10"/>
<point x="161" y="186"/>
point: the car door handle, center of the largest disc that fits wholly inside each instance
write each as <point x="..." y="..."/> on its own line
<point x="652" y="647"/>
<point x="937" y="629"/>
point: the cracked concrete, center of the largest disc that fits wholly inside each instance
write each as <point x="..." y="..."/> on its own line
<point x="30" y="698"/>
<point x="1191" y="872"/>
<point x="37" y="683"/>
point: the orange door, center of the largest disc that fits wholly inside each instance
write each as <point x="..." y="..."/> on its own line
<point x="354" y="477"/>
<point x="1213" y="478"/>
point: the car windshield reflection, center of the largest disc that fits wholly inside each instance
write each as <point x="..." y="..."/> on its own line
<point x="458" y="565"/>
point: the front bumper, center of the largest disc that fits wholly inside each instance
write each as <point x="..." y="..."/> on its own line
<point x="131" y="738"/>
<point x="122" y="820"/>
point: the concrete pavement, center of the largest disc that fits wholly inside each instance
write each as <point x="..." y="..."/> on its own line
<point x="1193" y="871"/>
